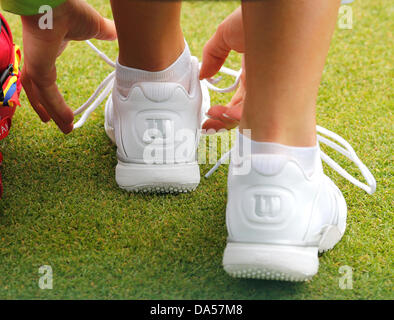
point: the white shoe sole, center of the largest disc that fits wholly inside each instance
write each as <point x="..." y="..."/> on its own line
<point x="277" y="262"/>
<point x="166" y="178"/>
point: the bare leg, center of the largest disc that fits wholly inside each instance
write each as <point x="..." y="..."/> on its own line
<point x="286" y="45"/>
<point x="149" y="33"/>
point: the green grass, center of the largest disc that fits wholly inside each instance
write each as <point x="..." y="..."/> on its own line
<point x="62" y="207"/>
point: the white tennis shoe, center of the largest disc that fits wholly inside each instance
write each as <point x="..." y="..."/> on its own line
<point x="156" y="129"/>
<point x="279" y="218"/>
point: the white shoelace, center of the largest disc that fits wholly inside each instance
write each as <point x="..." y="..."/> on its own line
<point x="344" y="148"/>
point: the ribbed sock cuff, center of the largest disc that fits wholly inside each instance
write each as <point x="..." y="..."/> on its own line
<point x="179" y="72"/>
<point x="305" y="156"/>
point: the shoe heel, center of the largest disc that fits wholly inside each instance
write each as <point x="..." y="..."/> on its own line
<point x="270" y="262"/>
<point x="166" y="178"/>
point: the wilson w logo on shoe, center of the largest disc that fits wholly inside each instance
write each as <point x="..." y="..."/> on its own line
<point x="158" y="130"/>
<point x="266" y="205"/>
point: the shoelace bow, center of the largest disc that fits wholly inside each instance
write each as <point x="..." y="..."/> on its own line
<point x="344" y="148"/>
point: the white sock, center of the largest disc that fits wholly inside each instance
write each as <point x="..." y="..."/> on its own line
<point x="305" y="156"/>
<point x="180" y="71"/>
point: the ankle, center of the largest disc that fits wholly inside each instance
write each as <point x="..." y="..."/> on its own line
<point x="280" y="133"/>
<point x="287" y="128"/>
<point x="155" y="56"/>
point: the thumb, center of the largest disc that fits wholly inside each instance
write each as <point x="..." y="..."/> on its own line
<point x="214" y="54"/>
<point x="107" y="30"/>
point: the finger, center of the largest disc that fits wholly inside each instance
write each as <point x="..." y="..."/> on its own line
<point x="54" y="104"/>
<point x="107" y="30"/>
<point x="228" y="36"/>
<point x="218" y="125"/>
<point x="218" y="113"/>
<point x="212" y="124"/>
<point x="40" y="58"/>
<point x="215" y="53"/>
<point x="32" y="97"/>
<point x="226" y="113"/>
<point x="89" y="24"/>
<point x="234" y="112"/>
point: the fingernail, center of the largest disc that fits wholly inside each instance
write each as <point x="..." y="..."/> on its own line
<point x="225" y="115"/>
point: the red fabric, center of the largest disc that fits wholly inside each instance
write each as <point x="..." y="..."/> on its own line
<point x="6" y="44"/>
<point x="7" y="51"/>
<point x="5" y="125"/>
<point x="1" y="181"/>
<point x="6" y="58"/>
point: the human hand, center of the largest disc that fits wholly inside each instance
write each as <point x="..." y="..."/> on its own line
<point x="72" y="20"/>
<point x="228" y="36"/>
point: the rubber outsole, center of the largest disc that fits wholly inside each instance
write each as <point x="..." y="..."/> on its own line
<point x="164" y="188"/>
<point x="277" y="262"/>
<point x="157" y="178"/>
<point x="270" y="262"/>
<point x="248" y="272"/>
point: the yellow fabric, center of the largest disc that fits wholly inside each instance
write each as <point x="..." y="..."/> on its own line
<point x="14" y="78"/>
